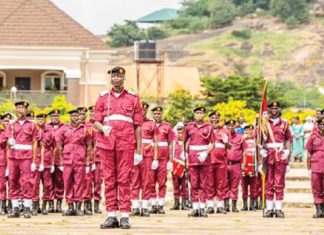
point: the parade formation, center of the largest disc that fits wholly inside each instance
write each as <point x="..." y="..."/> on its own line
<point x="44" y="163"/>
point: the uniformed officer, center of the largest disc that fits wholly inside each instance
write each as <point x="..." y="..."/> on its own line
<point x="315" y="165"/>
<point x="234" y="161"/>
<point x="3" y="167"/>
<point x="55" y="125"/>
<point x="74" y="147"/>
<point x="200" y="137"/>
<point x="165" y="158"/>
<point x="118" y="118"/>
<point x="277" y="151"/>
<point x="219" y="164"/>
<point x="21" y="136"/>
<point x="30" y="115"/>
<point x="142" y="173"/>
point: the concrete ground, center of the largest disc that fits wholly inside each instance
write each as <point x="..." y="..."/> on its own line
<point x="297" y="221"/>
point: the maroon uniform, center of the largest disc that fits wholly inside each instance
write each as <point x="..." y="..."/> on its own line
<point x="117" y="150"/>
<point x="179" y="183"/>
<point x="3" y="164"/>
<point x="200" y="173"/>
<point x="165" y="138"/>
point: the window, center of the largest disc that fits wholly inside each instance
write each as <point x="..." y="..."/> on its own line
<point x="2" y="80"/>
<point x="52" y="81"/>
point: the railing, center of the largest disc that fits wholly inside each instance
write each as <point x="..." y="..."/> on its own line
<point x="36" y="97"/>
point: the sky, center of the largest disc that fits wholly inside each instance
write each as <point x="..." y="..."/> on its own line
<point x="99" y="15"/>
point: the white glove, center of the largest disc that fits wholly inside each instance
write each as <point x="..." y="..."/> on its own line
<point x="87" y="169"/>
<point x="137" y="158"/>
<point x="183" y="156"/>
<point x="155" y="164"/>
<point x="169" y="166"/>
<point x="202" y="156"/>
<point x="7" y="172"/>
<point x="309" y="173"/>
<point x="260" y="168"/>
<point x="287" y="168"/>
<point x="224" y="138"/>
<point x="106" y="130"/>
<point x="11" y="141"/>
<point x="33" y="167"/>
<point x="61" y="168"/>
<point x="285" y="154"/>
<point x="41" y="168"/>
<point x="263" y="153"/>
<point x="93" y="166"/>
<point x="52" y="169"/>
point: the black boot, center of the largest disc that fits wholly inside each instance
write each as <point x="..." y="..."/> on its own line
<point x="44" y="211"/>
<point x="256" y="203"/>
<point x="194" y="213"/>
<point x="202" y="213"/>
<point x="96" y="207"/>
<point x="260" y="203"/>
<point x="145" y="212"/>
<point x="176" y="205"/>
<point x="244" y="208"/>
<point x="322" y="210"/>
<point x="58" y="206"/>
<point x="9" y="209"/>
<point x="254" y="206"/>
<point x="70" y="210"/>
<point x="14" y="213"/>
<point x="234" y="208"/>
<point x="268" y="214"/>
<point x="154" y="210"/>
<point x="3" y="207"/>
<point x="227" y="206"/>
<point x="161" y="210"/>
<point x="318" y="213"/>
<point x="87" y="208"/>
<point x="124" y="223"/>
<point x="34" y="208"/>
<point x="210" y="210"/>
<point x="221" y="210"/>
<point x="38" y="208"/>
<point x="279" y="214"/>
<point x="135" y="212"/>
<point x="27" y="213"/>
<point x="184" y="204"/>
<point x="78" y="211"/>
<point x="51" y="206"/>
<point x="110" y="222"/>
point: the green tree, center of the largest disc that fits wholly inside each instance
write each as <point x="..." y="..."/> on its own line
<point x="125" y="35"/>
<point x="154" y="33"/>
<point x="289" y="9"/>
<point x="222" y="12"/>
<point x="179" y="107"/>
<point x="197" y="8"/>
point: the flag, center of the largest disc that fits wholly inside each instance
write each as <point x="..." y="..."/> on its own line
<point x="263" y="116"/>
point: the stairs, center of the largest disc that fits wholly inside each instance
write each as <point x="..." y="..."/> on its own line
<point x="298" y="191"/>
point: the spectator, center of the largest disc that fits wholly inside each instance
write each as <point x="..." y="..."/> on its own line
<point x="298" y="141"/>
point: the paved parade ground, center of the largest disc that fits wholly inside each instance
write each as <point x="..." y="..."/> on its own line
<point x="297" y="221"/>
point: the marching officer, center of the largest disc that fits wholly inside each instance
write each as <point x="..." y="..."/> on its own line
<point x="3" y="167"/>
<point x="118" y="118"/>
<point x="142" y="173"/>
<point x="165" y="158"/>
<point x="315" y="165"/>
<point x="55" y="125"/>
<point x="37" y="168"/>
<point x="249" y="181"/>
<point x="179" y="182"/>
<point x="277" y="150"/>
<point x="21" y="136"/>
<point x="74" y="148"/>
<point x="219" y="164"/>
<point x="200" y="137"/>
<point x="234" y="161"/>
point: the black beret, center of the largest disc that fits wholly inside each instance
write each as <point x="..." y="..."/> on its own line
<point x="274" y="104"/>
<point x="320" y="121"/>
<point x="118" y="70"/>
<point x="30" y="114"/>
<point x="91" y="108"/>
<point x="41" y="115"/>
<point x="157" y="108"/>
<point x="73" y="111"/>
<point x="145" y="105"/>
<point x="84" y="109"/>
<point x="212" y="113"/>
<point x="22" y="102"/>
<point x="230" y="122"/>
<point x="54" y="111"/>
<point x="7" y="115"/>
<point x="249" y="126"/>
<point x="202" y="109"/>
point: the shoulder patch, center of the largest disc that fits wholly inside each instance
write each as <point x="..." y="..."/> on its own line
<point x="131" y="93"/>
<point x="102" y="93"/>
<point x="285" y="120"/>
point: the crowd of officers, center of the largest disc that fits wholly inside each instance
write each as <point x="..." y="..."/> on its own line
<point x="132" y="154"/>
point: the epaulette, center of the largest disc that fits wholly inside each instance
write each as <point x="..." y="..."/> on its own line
<point x="102" y="93"/>
<point x="131" y="93"/>
<point x="285" y="120"/>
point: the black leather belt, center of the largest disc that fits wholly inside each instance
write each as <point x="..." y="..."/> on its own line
<point x="233" y="162"/>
